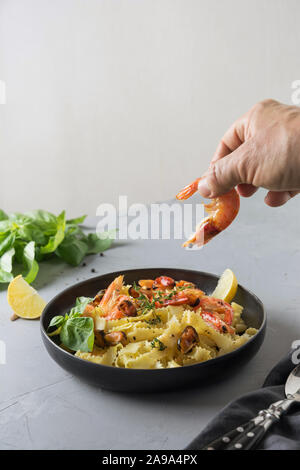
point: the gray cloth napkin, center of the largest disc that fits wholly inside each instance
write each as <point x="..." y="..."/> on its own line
<point x="284" y="435"/>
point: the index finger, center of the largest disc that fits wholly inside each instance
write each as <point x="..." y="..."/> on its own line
<point x="232" y="139"/>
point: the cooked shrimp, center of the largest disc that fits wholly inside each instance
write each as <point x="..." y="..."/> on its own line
<point x="176" y="299"/>
<point x="146" y="283"/>
<point x="215" y="321"/>
<point x="222" y="211"/>
<point x="194" y="296"/>
<point x="114" y="305"/>
<point x="90" y="307"/>
<point x="190" y="297"/>
<point x="125" y="307"/>
<point x="89" y="310"/>
<point x="163" y="282"/>
<point x="222" y="308"/>
<point x="111" y="294"/>
<point x="184" y="284"/>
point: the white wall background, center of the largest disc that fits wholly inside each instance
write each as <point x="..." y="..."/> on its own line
<point x="109" y="97"/>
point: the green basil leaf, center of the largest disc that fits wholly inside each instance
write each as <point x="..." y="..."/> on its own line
<point x="5" y="228"/>
<point x="17" y="218"/>
<point x="77" y="220"/>
<point x="56" y="322"/>
<point x="30" y="262"/>
<point x="72" y="250"/>
<point x="7" y="243"/>
<point x="19" y="246"/>
<point x="30" y="232"/>
<point x="74" y="230"/>
<point x="55" y="240"/>
<point x="81" y="303"/>
<point x="5" y="276"/>
<point x="6" y="260"/>
<point x="38" y="235"/>
<point x="74" y="313"/>
<point x="46" y="221"/>
<point x="98" y="244"/>
<point x="3" y="215"/>
<point x="78" y="334"/>
<point x="6" y="266"/>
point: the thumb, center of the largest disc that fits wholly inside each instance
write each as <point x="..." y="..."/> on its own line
<point x="224" y="174"/>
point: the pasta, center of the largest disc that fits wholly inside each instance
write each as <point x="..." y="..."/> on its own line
<point x="148" y="326"/>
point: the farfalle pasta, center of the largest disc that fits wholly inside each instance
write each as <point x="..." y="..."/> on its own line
<point x="153" y="324"/>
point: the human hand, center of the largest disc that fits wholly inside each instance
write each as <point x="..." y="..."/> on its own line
<point x="261" y="149"/>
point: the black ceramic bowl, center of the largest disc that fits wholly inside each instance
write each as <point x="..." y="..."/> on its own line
<point x="144" y="380"/>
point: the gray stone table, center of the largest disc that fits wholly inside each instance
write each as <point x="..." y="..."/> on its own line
<point x="43" y="407"/>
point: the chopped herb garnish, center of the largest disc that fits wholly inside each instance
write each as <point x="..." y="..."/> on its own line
<point x="170" y="295"/>
<point x="156" y="343"/>
<point x="158" y="298"/>
<point x="145" y="303"/>
<point x="136" y="287"/>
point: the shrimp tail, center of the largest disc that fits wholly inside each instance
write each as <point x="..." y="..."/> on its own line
<point x="205" y="231"/>
<point x="189" y="190"/>
<point x="221" y="210"/>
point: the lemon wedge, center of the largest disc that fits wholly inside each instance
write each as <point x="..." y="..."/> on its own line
<point x="24" y="299"/>
<point x="226" y="287"/>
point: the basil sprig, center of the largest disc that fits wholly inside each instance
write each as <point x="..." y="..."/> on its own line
<point x="75" y="332"/>
<point x="26" y="239"/>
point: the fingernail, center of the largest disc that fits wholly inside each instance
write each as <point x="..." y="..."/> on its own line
<point x="203" y="188"/>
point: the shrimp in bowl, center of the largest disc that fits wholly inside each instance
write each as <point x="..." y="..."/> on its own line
<point x="221" y="211"/>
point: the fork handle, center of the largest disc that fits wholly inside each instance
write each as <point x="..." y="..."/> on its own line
<point x="247" y="435"/>
<point x="249" y="439"/>
<point x="224" y="441"/>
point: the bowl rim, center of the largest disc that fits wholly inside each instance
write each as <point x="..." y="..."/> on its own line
<point x="90" y="364"/>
